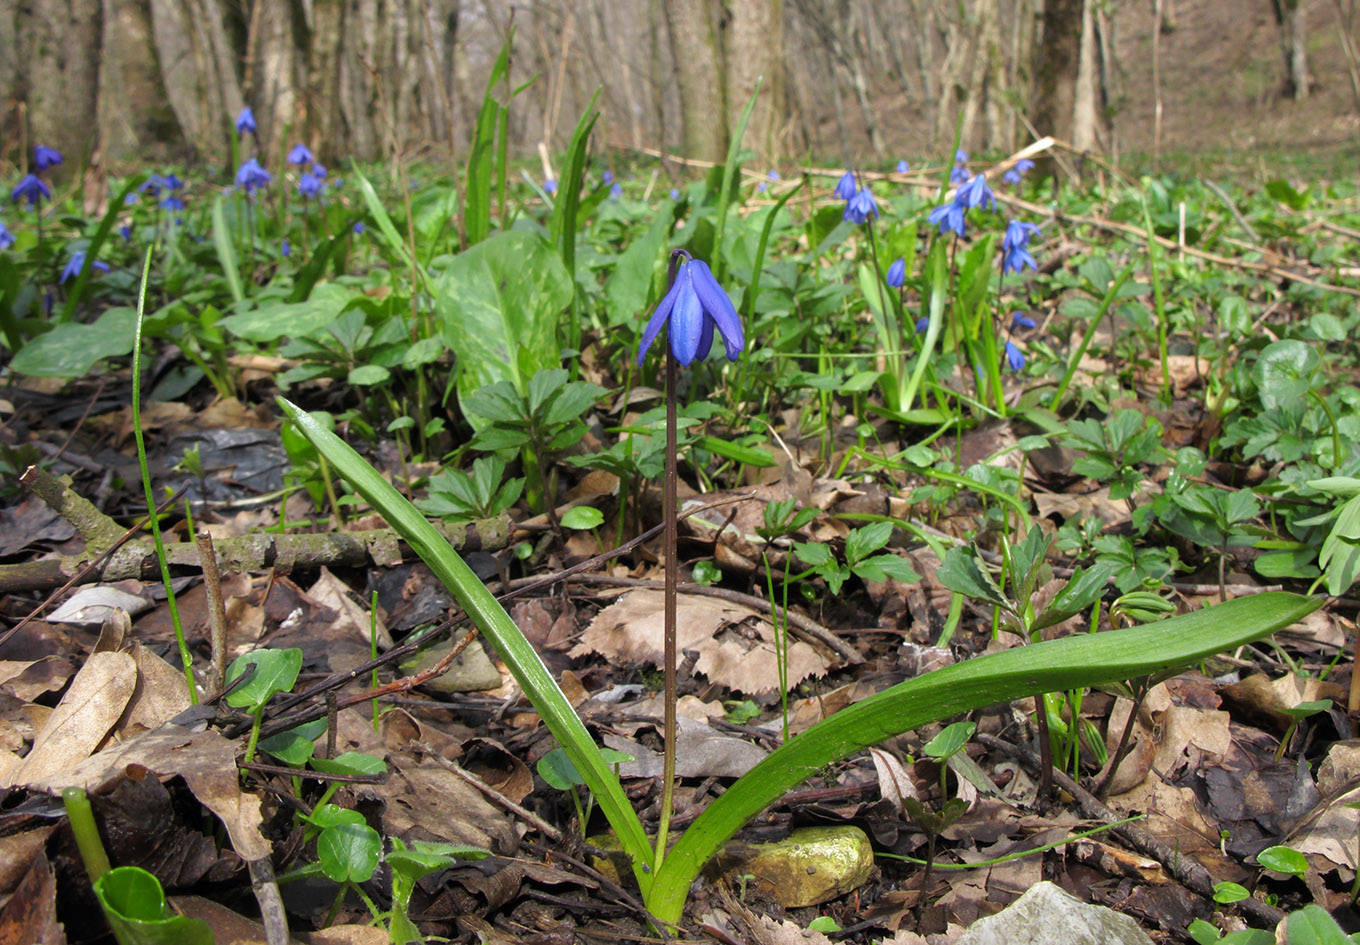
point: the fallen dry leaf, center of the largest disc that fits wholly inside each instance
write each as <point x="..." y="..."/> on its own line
<point x="89" y="710"/>
<point x="735" y="644"/>
<point x="701" y="752"/>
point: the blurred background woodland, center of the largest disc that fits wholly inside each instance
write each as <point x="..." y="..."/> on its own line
<point x="123" y="81"/>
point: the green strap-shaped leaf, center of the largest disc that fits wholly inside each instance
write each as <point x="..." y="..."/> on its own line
<point x="1067" y="663"/>
<point x="491" y="618"/>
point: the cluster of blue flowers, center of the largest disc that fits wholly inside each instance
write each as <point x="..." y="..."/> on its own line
<point x="860" y="204"/>
<point x="1017" y="173"/>
<point x="959" y="174"/>
<point x="32" y="188"/>
<point x="973" y="194"/>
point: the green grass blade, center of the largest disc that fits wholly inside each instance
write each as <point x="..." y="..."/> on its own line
<point x="1074" y="359"/>
<point x="562" y="225"/>
<point x="482" y="153"/>
<point x="1052" y="666"/>
<point x="491" y="618"/>
<point x="760" y="248"/>
<point x="718" y="264"/>
<point x="96" y="243"/>
<point x="386" y="228"/>
<point x="226" y="251"/>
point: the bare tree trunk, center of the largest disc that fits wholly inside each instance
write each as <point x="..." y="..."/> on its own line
<point x="1289" y="17"/>
<point x="754" y="48"/>
<point x="695" y="50"/>
<point x="58" y="43"/>
<point x="1057" y="52"/>
<point x="1084" y="114"/>
<point x="131" y="100"/>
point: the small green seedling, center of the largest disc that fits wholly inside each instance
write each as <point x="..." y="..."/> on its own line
<point x="275" y="671"/>
<point x="1282" y="859"/>
<point x="556" y="769"/>
<point x="1297" y="714"/>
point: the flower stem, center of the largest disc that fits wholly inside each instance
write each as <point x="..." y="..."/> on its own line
<point x="669" y="542"/>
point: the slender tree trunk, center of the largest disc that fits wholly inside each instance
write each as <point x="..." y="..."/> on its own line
<point x="1084" y="105"/>
<point x="697" y="55"/>
<point x="1057" y="52"/>
<point x="58" y="42"/>
<point x="1289" y="17"/>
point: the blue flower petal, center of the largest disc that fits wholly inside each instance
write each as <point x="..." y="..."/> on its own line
<point x="687" y="319"/>
<point x="719" y="308"/>
<point x="659" y="314"/>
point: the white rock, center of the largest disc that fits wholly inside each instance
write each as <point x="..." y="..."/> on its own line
<point x="1047" y="915"/>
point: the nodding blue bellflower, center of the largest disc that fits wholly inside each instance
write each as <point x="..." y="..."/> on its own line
<point x="761" y="187"/>
<point x="31" y="188"/>
<point x="675" y="194"/>
<point x="6" y="237"/>
<point x="550" y="186"/>
<point x="309" y="186"/>
<point x="922" y="324"/>
<point x="845" y="187"/>
<point x="1020" y="320"/>
<point x="903" y="167"/>
<point x="76" y="263"/>
<point x="250" y="177"/>
<point x="616" y="191"/>
<point x="301" y="155"/>
<point x="319" y="171"/>
<point x="948" y="216"/>
<point x="860" y="207"/>
<point x="976" y="193"/>
<point x="286" y="248"/>
<point x="607" y="177"/>
<point x="1014" y="243"/>
<point x="172" y="203"/>
<point x="958" y="175"/>
<point x="245" y="122"/>
<point x="774" y="174"/>
<point x="45" y="157"/>
<point x="897" y="273"/>
<point x="358" y="228"/>
<point x="960" y="156"/>
<point x="693" y="307"/>
<point x="1015" y="358"/>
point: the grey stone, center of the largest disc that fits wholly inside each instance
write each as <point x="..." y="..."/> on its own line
<point x="1048" y="915"/>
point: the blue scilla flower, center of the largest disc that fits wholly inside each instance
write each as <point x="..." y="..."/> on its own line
<point x="300" y="155"/>
<point x="922" y="324"/>
<point x="948" y="216"/>
<point x="1015" y="358"/>
<point x="309" y="186"/>
<point x="897" y="273"/>
<point x="550" y="186"/>
<point x="251" y="177"/>
<point x="607" y="177"/>
<point x="173" y="182"/>
<point x="77" y="262"/>
<point x="359" y="227"/>
<point x="1020" y="320"/>
<point x="862" y="206"/>
<point x="616" y="191"/>
<point x="675" y="194"/>
<point x="6" y="237"/>
<point x="1014" y="246"/>
<point x="286" y="249"/>
<point x="32" y="189"/>
<point x="125" y="232"/>
<point x="845" y="187"/>
<point x="153" y="185"/>
<point x="171" y="202"/>
<point x="1021" y="168"/>
<point x="958" y="175"/>
<point x="245" y="122"/>
<point x="761" y="187"/>
<point x="902" y="167"/>
<point x="319" y="171"/>
<point x="692" y="307"/>
<point x="45" y="157"/>
<point x="1011" y="177"/>
<point x="976" y="193"/>
<point x="773" y="175"/>
<point x="960" y="156"/>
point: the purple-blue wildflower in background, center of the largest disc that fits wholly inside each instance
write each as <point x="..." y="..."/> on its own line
<point x="6" y="237"/>
<point x="319" y="171"/>
<point x="922" y="324"/>
<point x="309" y="186"/>
<point x="245" y="122"/>
<point x="45" y="157"/>
<point x="976" y="193"/>
<point x="948" y="216"/>
<point x="171" y="202"/>
<point x="1015" y="358"/>
<point x="125" y="232"/>
<point x="359" y="227"/>
<point x="77" y="262"/>
<point x="960" y="156"/>
<point x="1021" y="320"/>
<point x="616" y="191"/>
<point x="173" y="182"/>
<point x="32" y="189"/>
<point x="251" y="177"/>
<point x="862" y="206"/>
<point x="607" y="177"/>
<point x="903" y="167"/>
<point x="287" y="248"/>
<point x="300" y="155"/>
<point x="153" y="185"/>
<point x="761" y="187"/>
<point x="958" y="175"/>
<point x="675" y="194"/>
<point x="773" y="175"/>
<point x="693" y="307"/>
<point x="897" y="273"/>
<point x="845" y="187"/>
<point x="1021" y="168"/>
<point x="550" y="186"/>
<point x="1014" y="246"/>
